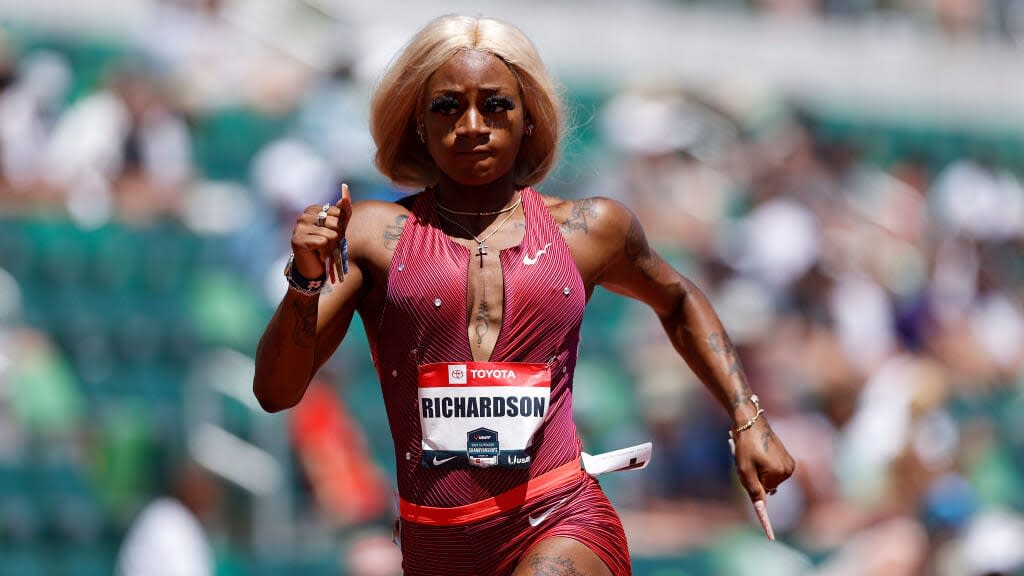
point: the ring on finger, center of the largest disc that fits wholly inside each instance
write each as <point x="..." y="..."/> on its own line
<point x="322" y="216"/>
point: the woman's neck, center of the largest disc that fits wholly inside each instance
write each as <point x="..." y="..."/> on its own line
<point x="490" y="197"/>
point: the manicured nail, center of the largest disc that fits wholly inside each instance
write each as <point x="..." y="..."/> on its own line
<point x="762" y="517"/>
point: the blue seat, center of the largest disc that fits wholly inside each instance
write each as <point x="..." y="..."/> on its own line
<point x="65" y="502"/>
<point x="24" y="561"/>
<point x="97" y="560"/>
<point x="19" y="521"/>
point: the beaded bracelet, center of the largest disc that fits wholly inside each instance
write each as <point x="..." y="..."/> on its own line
<point x="734" y="433"/>
<point x="300" y="283"/>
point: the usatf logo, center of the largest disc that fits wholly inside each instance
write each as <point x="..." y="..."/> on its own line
<point x="457" y="374"/>
<point x="482" y="435"/>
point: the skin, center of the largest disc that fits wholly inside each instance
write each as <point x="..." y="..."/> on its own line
<point x="474" y="136"/>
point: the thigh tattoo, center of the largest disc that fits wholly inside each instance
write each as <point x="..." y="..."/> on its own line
<point x="553" y="566"/>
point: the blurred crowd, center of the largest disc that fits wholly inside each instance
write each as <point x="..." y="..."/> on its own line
<point x="877" y="305"/>
<point x="1000" y="20"/>
<point x="870" y="275"/>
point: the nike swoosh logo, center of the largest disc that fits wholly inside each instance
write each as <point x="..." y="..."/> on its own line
<point x="527" y="261"/>
<point x="442" y="460"/>
<point x="537" y="520"/>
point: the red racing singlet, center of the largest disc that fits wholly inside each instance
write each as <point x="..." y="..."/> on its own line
<point x="424" y="321"/>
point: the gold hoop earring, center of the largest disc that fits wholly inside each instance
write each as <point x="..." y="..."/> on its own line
<point x="528" y="130"/>
<point x="419" y="132"/>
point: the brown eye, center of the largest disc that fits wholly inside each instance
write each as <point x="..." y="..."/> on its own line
<point x="446" y="105"/>
<point x="499" y="104"/>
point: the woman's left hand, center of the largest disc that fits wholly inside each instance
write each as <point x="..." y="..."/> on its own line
<point x="761" y="460"/>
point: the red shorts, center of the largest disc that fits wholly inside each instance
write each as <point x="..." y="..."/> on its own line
<point x="494" y="545"/>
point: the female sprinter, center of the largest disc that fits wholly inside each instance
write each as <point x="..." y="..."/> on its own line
<point x="471" y="293"/>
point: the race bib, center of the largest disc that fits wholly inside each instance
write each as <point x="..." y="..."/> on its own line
<point x="481" y="413"/>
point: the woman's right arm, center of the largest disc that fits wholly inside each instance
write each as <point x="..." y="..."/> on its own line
<point x="306" y="329"/>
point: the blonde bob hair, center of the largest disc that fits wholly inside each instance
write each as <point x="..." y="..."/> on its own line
<point x="394" y="109"/>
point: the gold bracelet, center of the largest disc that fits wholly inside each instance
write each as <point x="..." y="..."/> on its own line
<point x="757" y="404"/>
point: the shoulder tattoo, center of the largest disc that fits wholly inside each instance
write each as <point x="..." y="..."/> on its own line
<point x="392" y="232"/>
<point x="584" y="211"/>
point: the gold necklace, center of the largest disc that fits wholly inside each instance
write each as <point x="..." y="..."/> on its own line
<point x="491" y="213"/>
<point x="481" y="248"/>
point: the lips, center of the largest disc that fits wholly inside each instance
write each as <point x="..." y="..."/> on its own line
<point x="476" y="152"/>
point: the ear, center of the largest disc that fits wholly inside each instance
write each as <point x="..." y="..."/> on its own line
<point x="421" y="130"/>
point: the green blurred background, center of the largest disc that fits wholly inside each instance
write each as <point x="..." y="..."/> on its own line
<point x="841" y="177"/>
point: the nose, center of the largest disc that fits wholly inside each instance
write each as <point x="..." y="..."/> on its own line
<point x="472" y="123"/>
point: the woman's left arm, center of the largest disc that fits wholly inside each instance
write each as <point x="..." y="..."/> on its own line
<point x="634" y="269"/>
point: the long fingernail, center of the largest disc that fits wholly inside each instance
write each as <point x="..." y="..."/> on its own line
<point x="762" y="517"/>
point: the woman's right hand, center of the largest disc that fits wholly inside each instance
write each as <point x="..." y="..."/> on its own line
<point x="316" y="246"/>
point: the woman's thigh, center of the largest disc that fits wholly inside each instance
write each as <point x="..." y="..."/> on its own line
<point x="561" y="556"/>
<point x="574" y="526"/>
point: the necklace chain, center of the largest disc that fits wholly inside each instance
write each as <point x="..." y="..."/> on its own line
<point x="481" y="249"/>
<point x="490" y="213"/>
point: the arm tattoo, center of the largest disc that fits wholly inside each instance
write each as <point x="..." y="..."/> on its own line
<point x="392" y="232"/>
<point x="305" y="327"/>
<point x="483" y="318"/>
<point x="267" y="349"/>
<point x="553" y="566"/>
<point x="766" y="439"/>
<point x="581" y="210"/>
<point x="721" y="344"/>
<point x="637" y="249"/>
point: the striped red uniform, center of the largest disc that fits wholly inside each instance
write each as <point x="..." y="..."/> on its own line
<point x="424" y="321"/>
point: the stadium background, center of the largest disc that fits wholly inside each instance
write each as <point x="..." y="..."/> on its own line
<point x="842" y="177"/>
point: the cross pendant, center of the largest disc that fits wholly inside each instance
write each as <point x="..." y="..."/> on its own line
<point x="481" y="251"/>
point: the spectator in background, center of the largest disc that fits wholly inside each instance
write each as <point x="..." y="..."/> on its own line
<point x="205" y="57"/>
<point x="348" y="486"/>
<point x="217" y="57"/>
<point x="168" y="537"/>
<point x="157" y="150"/>
<point x="31" y="102"/>
<point x="122" y="151"/>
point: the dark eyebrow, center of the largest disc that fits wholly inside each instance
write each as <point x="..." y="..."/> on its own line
<point x="492" y="90"/>
<point x="445" y="92"/>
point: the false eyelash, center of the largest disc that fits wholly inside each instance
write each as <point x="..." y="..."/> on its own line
<point x="503" y="101"/>
<point x="443" y="103"/>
